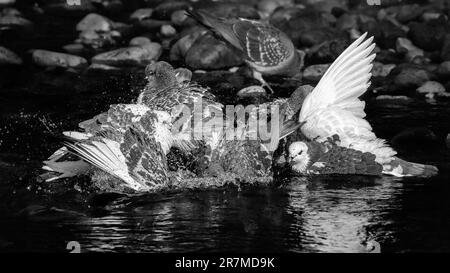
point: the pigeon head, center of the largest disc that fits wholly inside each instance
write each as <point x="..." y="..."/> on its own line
<point x="298" y="156"/>
<point x="160" y="75"/>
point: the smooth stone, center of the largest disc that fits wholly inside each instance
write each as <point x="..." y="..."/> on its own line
<point x="95" y="22"/>
<point x="152" y="24"/>
<point x="180" y="18"/>
<point x="141" y="14"/>
<point x="447" y="141"/>
<point x="251" y="91"/>
<point x="429" y="15"/>
<point x="389" y="97"/>
<point x="444" y="68"/>
<point x="429" y="35"/>
<point x="408" y="13"/>
<point x="315" y="72"/>
<point x="139" y="41"/>
<point x="209" y="53"/>
<point x="102" y="67"/>
<point x="97" y="40"/>
<point x="69" y="7"/>
<point x="347" y="21"/>
<point x="7" y="2"/>
<point x="168" y="31"/>
<point x="381" y="70"/>
<point x="8" y="57"/>
<point x="130" y="56"/>
<point x="55" y="59"/>
<point x="430" y="89"/>
<point x="445" y="51"/>
<point x="267" y="7"/>
<point x="182" y="46"/>
<point x="164" y="10"/>
<point x="74" y="48"/>
<point x="411" y="76"/>
<point x="10" y="12"/>
<point x="11" y="21"/>
<point x="405" y="46"/>
<point x="327" y="51"/>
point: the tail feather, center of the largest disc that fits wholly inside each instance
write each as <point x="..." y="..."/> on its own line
<point x="399" y="167"/>
<point x="63" y="168"/>
<point x="105" y="155"/>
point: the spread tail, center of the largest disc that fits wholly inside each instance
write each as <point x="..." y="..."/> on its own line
<point x="399" y="167"/>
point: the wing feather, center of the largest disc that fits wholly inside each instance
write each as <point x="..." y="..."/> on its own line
<point x="334" y="107"/>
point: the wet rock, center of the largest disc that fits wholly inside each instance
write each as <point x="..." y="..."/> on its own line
<point x="388" y="56"/>
<point x="180" y="18"/>
<point x="209" y="53"/>
<point x="110" y="6"/>
<point x="95" y="22"/>
<point x="267" y="7"/>
<point x="408" y="13"/>
<point x="410" y="76"/>
<point x="98" y="40"/>
<point x="415" y="138"/>
<point x="7" y="2"/>
<point x="393" y="98"/>
<point x="381" y="70"/>
<point x="10" y="12"/>
<point x="445" y="52"/>
<point x="431" y="89"/>
<point x="251" y="91"/>
<point x="8" y="57"/>
<point x="447" y="141"/>
<point x="74" y="49"/>
<point x="327" y="51"/>
<point x="347" y="21"/>
<point x="164" y="10"/>
<point x="183" y="74"/>
<point x="130" y="56"/>
<point x="69" y="7"/>
<point x="315" y="72"/>
<point x="384" y="31"/>
<point x="15" y="22"/>
<point x="168" y="31"/>
<point x="55" y="59"/>
<point x="140" y="41"/>
<point x="141" y="14"/>
<point x="444" y="69"/>
<point x="406" y="47"/>
<point x="152" y="24"/>
<point x="429" y="35"/>
<point x="304" y="27"/>
<point x="429" y="15"/>
<point x="181" y="47"/>
<point x="102" y="67"/>
<point x="231" y="10"/>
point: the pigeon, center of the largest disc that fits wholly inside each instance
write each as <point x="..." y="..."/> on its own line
<point x="266" y="49"/>
<point x="104" y="137"/>
<point x="334" y="108"/>
<point x="128" y="145"/>
<point x="312" y="157"/>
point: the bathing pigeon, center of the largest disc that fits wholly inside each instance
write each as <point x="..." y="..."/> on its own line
<point x="312" y="157"/>
<point x="334" y="107"/>
<point x="266" y="49"/>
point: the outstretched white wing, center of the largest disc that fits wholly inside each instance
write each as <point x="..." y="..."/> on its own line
<point x="334" y="107"/>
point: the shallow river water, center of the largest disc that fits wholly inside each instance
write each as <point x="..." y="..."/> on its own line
<point x="325" y="214"/>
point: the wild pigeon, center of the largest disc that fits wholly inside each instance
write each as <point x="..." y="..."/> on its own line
<point x="312" y="157"/>
<point x="266" y="49"/>
<point x="334" y="107"/>
<point x="107" y="138"/>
